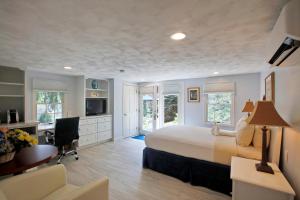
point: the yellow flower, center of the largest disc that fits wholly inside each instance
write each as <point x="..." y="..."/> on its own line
<point x="19" y="131"/>
<point x="34" y="142"/>
<point x="28" y="138"/>
<point x="21" y="137"/>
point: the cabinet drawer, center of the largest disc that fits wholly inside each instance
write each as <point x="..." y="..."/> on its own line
<point x="107" y="119"/>
<point x="106" y="135"/>
<point x="88" y="121"/>
<point x="91" y="121"/>
<point x="82" y="122"/>
<point x="100" y="119"/>
<point x="105" y="126"/>
<point x="87" y="139"/>
<point x="87" y="129"/>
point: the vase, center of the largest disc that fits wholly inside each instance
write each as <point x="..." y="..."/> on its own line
<point x="94" y="84"/>
<point x="7" y="157"/>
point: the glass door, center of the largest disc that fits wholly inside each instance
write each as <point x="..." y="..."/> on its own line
<point x="170" y="110"/>
<point x="148" y="109"/>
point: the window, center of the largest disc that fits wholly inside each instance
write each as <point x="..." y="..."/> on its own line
<point x="49" y="106"/>
<point x="219" y="108"/>
<point x="170" y="109"/>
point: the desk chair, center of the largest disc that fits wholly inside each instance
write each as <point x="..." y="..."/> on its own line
<point x="65" y="137"/>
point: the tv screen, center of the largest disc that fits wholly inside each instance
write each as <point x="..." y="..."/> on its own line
<point x="95" y="106"/>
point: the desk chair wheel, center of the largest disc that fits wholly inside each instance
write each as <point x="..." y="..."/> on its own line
<point x="76" y="155"/>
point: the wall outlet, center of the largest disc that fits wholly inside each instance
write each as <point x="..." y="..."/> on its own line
<point x="286" y="156"/>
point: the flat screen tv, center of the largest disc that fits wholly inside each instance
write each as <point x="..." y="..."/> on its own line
<point x="95" y="106"/>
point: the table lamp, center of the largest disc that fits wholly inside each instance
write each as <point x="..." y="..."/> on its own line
<point x="249" y="106"/>
<point x="265" y="114"/>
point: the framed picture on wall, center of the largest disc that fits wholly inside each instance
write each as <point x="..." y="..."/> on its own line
<point x="193" y="94"/>
<point x="270" y="87"/>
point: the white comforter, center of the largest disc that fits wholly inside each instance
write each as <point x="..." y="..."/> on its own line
<point x="194" y="142"/>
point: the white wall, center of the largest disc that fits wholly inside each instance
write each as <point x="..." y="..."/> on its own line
<point x="287" y="95"/>
<point x="247" y="86"/>
<point x="69" y="82"/>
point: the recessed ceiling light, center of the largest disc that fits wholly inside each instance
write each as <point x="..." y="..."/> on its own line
<point x="215" y="73"/>
<point x="68" y="67"/>
<point x="178" y="36"/>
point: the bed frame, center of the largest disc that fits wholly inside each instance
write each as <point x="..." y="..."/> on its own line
<point x="198" y="172"/>
<point x="203" y="173"/>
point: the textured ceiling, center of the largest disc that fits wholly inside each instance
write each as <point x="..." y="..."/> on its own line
<point x="100" y="37"/>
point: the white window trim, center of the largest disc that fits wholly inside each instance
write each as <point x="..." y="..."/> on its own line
<point x="232" y="114"/>
<point x="34" y="104"/>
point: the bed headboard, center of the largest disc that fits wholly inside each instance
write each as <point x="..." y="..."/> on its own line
<point x="275" y="145"/>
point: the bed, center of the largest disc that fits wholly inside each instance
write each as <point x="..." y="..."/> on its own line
<point x="192" y="154"/>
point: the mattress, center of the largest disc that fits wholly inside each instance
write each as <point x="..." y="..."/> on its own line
<point x="198" y="142"/>
<point x="194" y="142"/>
<point x="249" y="152"/>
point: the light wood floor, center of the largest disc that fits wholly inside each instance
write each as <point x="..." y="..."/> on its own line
<point x="121" y="162"/>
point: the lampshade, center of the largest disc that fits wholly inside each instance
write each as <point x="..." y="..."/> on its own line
<point x="249" y="106"/>
<point x="265" y="114"/>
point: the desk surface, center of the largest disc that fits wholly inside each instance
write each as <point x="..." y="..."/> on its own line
<point x="29" y="157"/>
<point x="19" y="125"/>
<point x="45" y="127"/>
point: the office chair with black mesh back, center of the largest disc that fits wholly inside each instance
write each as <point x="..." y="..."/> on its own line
<point x="66" y="136"/>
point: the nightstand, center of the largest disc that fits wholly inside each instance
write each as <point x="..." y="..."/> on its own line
<point x="249" y="184"/>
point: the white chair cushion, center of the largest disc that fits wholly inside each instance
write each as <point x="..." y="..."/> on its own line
<point x="62" y="192"/>
<point x="2" y="196"/>
<point x="257" y="139"/>
<point x="244" y="132"/>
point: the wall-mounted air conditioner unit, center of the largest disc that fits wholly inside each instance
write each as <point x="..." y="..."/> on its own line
<point x="285" y="38"/>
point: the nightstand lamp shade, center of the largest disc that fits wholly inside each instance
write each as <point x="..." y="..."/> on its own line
<point x="265" y="114"/>
<point x="249" y="106"/>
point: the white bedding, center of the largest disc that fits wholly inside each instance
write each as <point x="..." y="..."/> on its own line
<point x="195" y="142"/>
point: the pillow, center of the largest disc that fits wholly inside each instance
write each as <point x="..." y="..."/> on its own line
<point x="245" y="132"/>
<point x="227" y="133"/>
<point x="257" y="139"/>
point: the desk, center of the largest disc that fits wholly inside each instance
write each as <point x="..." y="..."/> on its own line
<point x="42" y="128"/>
<point x="46" y="127"/>
<point x="29" y="157"/>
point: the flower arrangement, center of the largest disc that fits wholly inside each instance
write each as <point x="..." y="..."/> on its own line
<point x="5" y="145"/>
<point x="7" y="149"/>
<point x="20" y="139"/>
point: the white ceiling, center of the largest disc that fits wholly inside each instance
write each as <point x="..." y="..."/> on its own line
<point x="100" y="37"/>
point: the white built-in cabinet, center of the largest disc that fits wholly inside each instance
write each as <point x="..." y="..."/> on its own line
<point x="95" y="129"/>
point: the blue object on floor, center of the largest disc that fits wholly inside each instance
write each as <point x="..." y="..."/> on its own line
<point x="139" y="137"/>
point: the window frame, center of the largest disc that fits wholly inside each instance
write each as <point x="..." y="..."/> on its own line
<point x="34" y="110"/>
<point x="232" y="113"/>
<point x="163" y="108"/>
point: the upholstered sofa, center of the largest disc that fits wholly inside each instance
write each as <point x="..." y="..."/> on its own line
<point x="50" y="184"/>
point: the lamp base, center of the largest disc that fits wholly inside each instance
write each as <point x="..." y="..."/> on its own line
<point x="264" y="168"/>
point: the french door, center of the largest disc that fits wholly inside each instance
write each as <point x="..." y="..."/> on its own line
<point x="160" y="106"/>
<point x="149" y="101"/>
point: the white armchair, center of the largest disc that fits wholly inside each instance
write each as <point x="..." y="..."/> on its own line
<point x="50" y="184"/>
